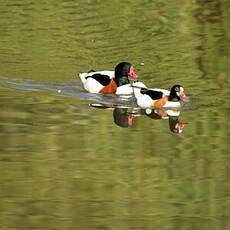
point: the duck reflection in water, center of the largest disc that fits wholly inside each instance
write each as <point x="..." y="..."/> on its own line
<point x="124" y="117"/>
<point x="175" y="125"/>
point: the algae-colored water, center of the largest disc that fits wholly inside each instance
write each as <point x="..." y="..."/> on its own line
<point x="65" y="165"/>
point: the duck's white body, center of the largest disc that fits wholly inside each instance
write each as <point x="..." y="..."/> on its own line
<point x="129" y="89"/>
<point x="145" y="101"/>
<point x="93" y="86"/>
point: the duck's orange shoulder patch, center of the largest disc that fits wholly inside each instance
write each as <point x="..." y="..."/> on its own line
<point x="110" y="88"/>
<point x="160" y="102"/>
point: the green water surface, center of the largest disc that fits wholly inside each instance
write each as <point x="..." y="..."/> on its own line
<point x="65" y="165"/>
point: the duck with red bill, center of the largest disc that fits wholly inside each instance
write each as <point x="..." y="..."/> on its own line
<point x="160" y="98"/>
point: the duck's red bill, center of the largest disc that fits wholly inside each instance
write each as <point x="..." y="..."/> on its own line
<point x="180" y="126"/>
<point x="132" y="73"/>
<point x="130" y="120"/>
<point x="183" y="96"/>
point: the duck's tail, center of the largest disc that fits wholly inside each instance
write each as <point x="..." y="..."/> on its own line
<point x="83" y="77"/>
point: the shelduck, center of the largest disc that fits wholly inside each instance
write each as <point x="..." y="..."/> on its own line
<point x="117" y="81"/>
<point x="160" y="98"/>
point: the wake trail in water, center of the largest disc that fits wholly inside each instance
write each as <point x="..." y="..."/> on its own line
<point x="72" y="89"/>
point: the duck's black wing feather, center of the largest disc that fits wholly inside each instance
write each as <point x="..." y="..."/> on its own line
<point x="155" y="95"/>
<point x="103" y="79"/>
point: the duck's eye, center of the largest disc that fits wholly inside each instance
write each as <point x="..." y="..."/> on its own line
<point x="177" y="89"/>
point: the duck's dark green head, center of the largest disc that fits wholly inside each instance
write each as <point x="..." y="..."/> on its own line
<point x="123" y="71"/>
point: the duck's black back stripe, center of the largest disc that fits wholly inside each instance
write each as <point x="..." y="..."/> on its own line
<point x="155" y="95"/>
<point x="103" y="79"/>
